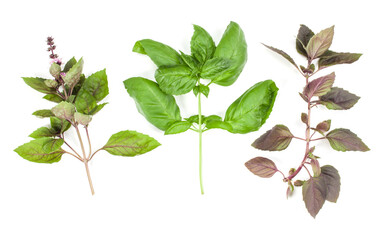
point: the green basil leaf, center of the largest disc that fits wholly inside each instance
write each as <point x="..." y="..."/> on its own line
<point x="96" y="85"/>
<point x="72" y="77"/>
<point x="39" y="85"/>
<point x="43" y="113"/>
<point x="190" y="61"/>
<point x="178" y="127"/>
<point x="175" y="80"/>
<point x="36" y="150"/>
<point x="85" y="102"/>
<point x="97" y="108"/>
<point x="219" y="124"/>
<point x="232" y="46"/>
<point x="160" y="54"/>
<point x="195" y="119"/>
<point x="157" y="107"/>
<point x="130" y="143"/>
<point x="43" y="132"/>
<point x="53" y="98"/>
<point x="59" y="125"/>
<point x="202" y="45"/>
<point x="71" y="62"/>
<point x="250" y="111"/>
<point x="214" y="67"/>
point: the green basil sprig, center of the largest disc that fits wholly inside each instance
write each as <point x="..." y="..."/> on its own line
<point x="180" y="73"/>
<point x="78" y="100"/>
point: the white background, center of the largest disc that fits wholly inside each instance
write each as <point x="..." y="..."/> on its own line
<point x="156" y="195"/>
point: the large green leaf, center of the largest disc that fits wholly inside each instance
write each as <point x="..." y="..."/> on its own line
<point x="41" y="150"/>
<point x="157" y="107"/>
<point x="214" y="67"/>
<point x="130" y="143"/>
<point x="160" y="54"/>
<point x="175" y="80"/>
<point x="202" y="45"/>
<point x="232" y="46"/>
<point x="250" y="111"/>
<point x="39" y="85"/>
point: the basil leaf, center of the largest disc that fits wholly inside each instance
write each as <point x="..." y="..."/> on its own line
<point x="36" y="150"/>
<point x="202" y="45"/>
<point x="94" y="89"/>
<point x="175" y="80"/>
<point x="43" y="113"/>
<point x="232" y="46"/>
<point x="214" y="67"/>
<point x="130" y="143"/>
<point x="53" y="98"/>
<point x="160" y="54"/>
<point x="178" y="127"/>
<point x="39" y="85"/>
<point x="71" y="62"/>
<point x="43" y="132"/>
<point x="157" y="107"/>
<point x="250" y="111"/>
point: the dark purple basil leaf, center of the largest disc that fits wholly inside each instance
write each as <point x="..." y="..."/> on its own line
<point x="342" y="139"/>
<point x="314" y="194"/>
<point x="282" y="53"/>
<point x="303" y="37"/>
<point x="339" y="99"/>
<point x="319" y="86"/>
<point x="330" y="58"/>
<point x="276" y="139"/>
<point x="332" y="180"/>
<point x="323" y="126"/>
<point x="262" y="167"/>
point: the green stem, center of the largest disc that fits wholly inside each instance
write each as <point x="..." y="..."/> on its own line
<point x="200" y="130"/>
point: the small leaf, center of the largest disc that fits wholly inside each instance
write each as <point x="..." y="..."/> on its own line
<point x="64" y="110"/>
<point x="342" y="139"/>
<point x="315" y="167"/>
<point x="276" y="139"/>
<point x="303" y="37"/>
<point x="54" y="144"/>
<point x="178" y="127"/>
<point x="320" y="43"/>
<point x="59" y="125"/>
<point x="332" y="180"/>
<point x="212" y="118"/>
<point x="282" y="53"/>
<point x="304" y="97"/>
<point x="96" y="85"/>
<point x="43" y="113"/>
<point x="219" y="124"/>
<point x="43" y="132"/>
<point x="314" y="194"/>
<point x="331" y="58"/>
<point x="83" y="119"/>
<point x="55" y="70"/>
<point x="175" y="80"/>
<point x="97" y="108"/>
<point x="262" y="167"/>
<point x="33" y="151"/>
<point x="160" y="54"/>
<point x="53" y="98"/>
<point x="304" y="118"/>
<point x="190" y="61"/>
<point x="73" y="75"/>
<point x="195" y="119"/>
<point x="339" y="99"/>
<point x="39" y="85"/>
<point x="202" y="45"/>
<point x="130" y="143"/>
<point x="324" y="126"/>
<point x="319" y="86"/>
<point x="214" y="67"/>
<point x="69" y="64"/>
